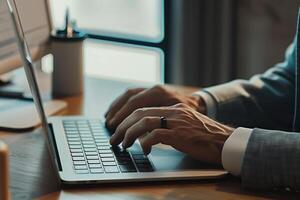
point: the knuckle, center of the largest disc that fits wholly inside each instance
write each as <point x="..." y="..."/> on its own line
<point x="139" y="111"/>
<point x="159" y="88"/>
<point x="129" y="133"/>
<point x="182" y="115"/>
<point x="130" y="92"/>
<point x="181" y="105"/>
<point x="146" y="121"/>
<point x="157" y="134"/>
<point x="131" y="100"/>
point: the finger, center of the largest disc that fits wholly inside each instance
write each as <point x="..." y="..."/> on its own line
<point x="125" y="111"/>
<point x="146" y="124"/>
<point x="164" y="136"/>
<point x="137" y="115"/>
<point x="120" y="101"/>
<point x="146" y="98"/>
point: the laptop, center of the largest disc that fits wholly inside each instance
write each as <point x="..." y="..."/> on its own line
<point x="80" y="149"/>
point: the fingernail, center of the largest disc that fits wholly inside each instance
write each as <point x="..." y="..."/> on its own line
<point x="112" y="140"/>
<point x="124" y="145"/>
<point x="146" y="152"/>
<point x="111" y="122"/>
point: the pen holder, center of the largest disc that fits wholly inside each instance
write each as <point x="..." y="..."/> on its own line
<point x="4" y="172"/>
<point x="67" y="78"/>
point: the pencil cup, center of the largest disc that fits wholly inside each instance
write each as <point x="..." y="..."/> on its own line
<point x="67" y="78"/>
<point x="4" y="172"/>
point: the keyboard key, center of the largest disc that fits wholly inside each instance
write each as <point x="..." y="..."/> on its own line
<point x="70" y="129"/>
<point x="97" y="127"/>
<point x="77" y="154"/>
<point x="97" y="171"/>
<point x="90" y="149"/>
<point x="89" y="146"/>
<point x="80" y="167"/>
<point x="146" y="169"/>
<point x="109" y="163"/>
<point x="79" y="162"/>
<point x="144" y="161"/>
<point x="76" y="150"/>
<point x="82" y="171"/>
<point x="82" y="121"/>
<point x="74" y="143"/>
<point x="73" y="139"/>
<point x="95" y="166"/>
<point x="78" y="158"/>
<point x="85" y="132"/>
<point x="143" y="165"/>
<point x="107" y="159"/>
<point x="75" y="146"/>
<point x="127" y="168"/>
<point x="101" y="140"/>
<point x="108" y="155"/>
<point x="99" y="134"/>
<point x="111" y="169"/>
<point x="92" y="157"/>
<point x="101" y="137"/>
<point x="122" y="154"/>
<point x="70" y="123"/>
<point x="124" y="160"/>
<point x="87" y="142"/>
<point x="85" y="125"/>
<point x="71" y="132"/>
<point x="105" y="151"/>
<point x="92" y="153"/>
<point x="103" y="147"/>
<point x="81" y="129"/>
<point x="139" y="156"/>
<point x="73" y="136"/>
<point x="93" y="161"/>
<point x="101" y="144"/>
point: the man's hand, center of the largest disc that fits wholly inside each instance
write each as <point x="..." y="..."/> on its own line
<point x="156" y="96"/>
<point x="187" y="130"/>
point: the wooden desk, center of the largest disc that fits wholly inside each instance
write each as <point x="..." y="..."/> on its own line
<point x="32" y="175"/>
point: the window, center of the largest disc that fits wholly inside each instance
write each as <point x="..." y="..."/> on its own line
<point x="128" y="33"/>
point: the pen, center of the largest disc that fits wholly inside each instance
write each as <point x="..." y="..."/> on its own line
<point x="68" y="28"/>
<point x="67" y="20"/>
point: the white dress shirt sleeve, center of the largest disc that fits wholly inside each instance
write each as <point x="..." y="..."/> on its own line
<point x="211" y="104"/>
<point x="234" y="150"/>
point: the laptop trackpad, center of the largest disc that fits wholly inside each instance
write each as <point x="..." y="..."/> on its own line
<point x="166" y="158"/>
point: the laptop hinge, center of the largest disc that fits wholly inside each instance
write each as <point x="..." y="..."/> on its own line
<point x="53" y="147"/>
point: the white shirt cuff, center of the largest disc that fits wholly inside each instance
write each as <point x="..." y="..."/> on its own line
<point x="211" y="105"/>
<point x="234" y="150"/>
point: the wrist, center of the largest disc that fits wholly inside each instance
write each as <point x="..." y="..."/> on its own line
<point x="199" y="103"/>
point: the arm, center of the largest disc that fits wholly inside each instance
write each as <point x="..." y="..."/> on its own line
<point x="264" y="101"/>
<point x="272" y="160"/>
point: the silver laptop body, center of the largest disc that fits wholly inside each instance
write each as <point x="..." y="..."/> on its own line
<point x="81" y="152"/>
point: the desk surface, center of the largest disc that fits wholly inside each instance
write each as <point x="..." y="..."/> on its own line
<point x="32" y="175"/>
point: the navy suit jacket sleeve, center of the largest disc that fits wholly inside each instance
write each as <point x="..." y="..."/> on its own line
<point x="272" y="160"/>
<point x="265" y="101"/>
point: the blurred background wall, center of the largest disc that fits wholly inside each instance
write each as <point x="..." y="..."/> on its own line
<point x="213" y="41"/>
<point x="204" y="42"/>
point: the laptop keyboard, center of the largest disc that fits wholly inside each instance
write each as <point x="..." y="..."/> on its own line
<point x="91" y="152"/>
